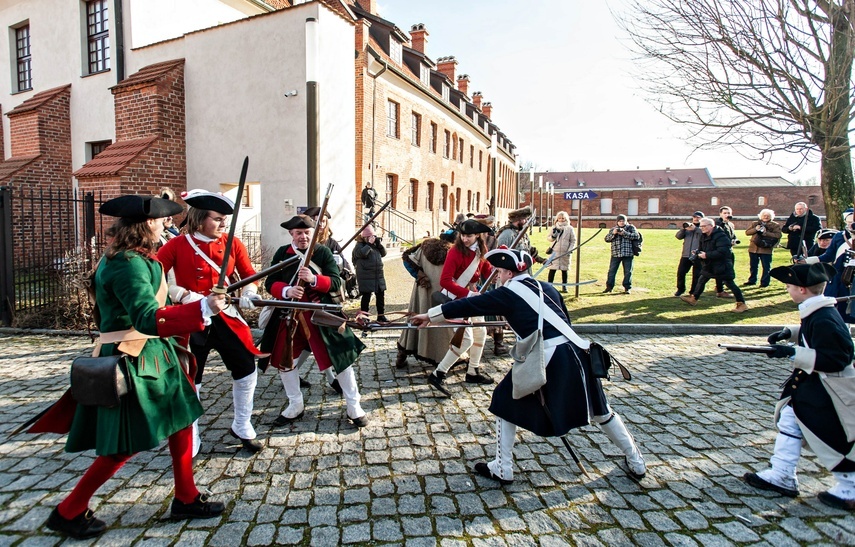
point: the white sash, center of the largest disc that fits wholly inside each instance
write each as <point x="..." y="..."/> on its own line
<point x="547" y="314"/>
<point x="231" y="311"/>
<point x="467" y="274"/>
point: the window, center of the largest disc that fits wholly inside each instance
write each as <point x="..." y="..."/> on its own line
<point x="392" y="129"/>
<point x="761" y="200"/>
<point x="412" y="195"/>
<point x="446" y="93"/>
<point x="429" y="199"/>
<point x="98" y="36"/>
<point x="95" y="148"/>
<point x="446" y="147"/>
<point x="653" y="206"/>
<point x="390" y="189"/>
<point x="632" y="207"/>
<point x="457" y="200"/>
<point x="416" y="129"/>
<point x="433" y="133"/>
<point x="480" y="160"/>
<point x="605" y="206"/>
<point x="424" y="75"/>
<point x="714" y="201"/>
<point x="443" y="198"/>
<point x="469" y="200"/>
<point x="574" y="204"/>
<point x="472" y="155"/>
<point x="477" y="201"/>
<point x="460" y="151"/>
<point x="25" y="60"/>
<point x="395" y="50"/>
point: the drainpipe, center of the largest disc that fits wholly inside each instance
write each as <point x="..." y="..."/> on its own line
<point x="374" y="119"/>
<point x="120" y="40"/>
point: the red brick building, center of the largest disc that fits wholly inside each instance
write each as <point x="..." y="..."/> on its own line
<point x="664" y="198"/>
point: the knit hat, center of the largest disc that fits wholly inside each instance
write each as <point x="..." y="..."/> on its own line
<point x="698" y="214"/>
<point x="622" y="217"/>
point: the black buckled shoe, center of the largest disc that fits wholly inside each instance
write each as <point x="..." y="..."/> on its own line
<point x="831" y="500"/>
<point x="482" y="469"/>
<point x="201" y="508"/>
<point x="757" y="481"/>
<point x="304" y="383"/>
<point x="83" y="526"/>
<point x="437" y="380"/>
<point x="499" y="349"/>
<point x="478" y="378"/>
<point x="282" y="420"/>
<point x="360" y="422"/>
<point x="336" y="386"/>
<point x="250" y="444"/>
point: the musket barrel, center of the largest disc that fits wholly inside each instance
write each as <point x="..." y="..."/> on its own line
<point x="291" y="304"/>
<point x="263" y="273"/>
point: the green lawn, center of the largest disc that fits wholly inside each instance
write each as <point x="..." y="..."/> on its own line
<point x="654" y="282"/>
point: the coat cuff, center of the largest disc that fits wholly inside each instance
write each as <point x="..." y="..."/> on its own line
<point x="322" y="283"/>
<point x="812" y="260"/>
<point x="435" y="314"/>
<point x="805" y="358"/>
<point x="175" y="320"/>
<point x="277" y="290"/>
<point x="794" y="332"/>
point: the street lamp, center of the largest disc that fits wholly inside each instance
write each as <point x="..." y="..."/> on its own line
<point x="313" y="174"/>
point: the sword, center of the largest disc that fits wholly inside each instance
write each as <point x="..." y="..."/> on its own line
<point x="768" y="350"/>
<point x="292" y="304"/>
<point x="219" y="289"/>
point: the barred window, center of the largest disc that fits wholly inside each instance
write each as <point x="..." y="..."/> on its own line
<point x="25" y="63"/>
<point x="98" y="35"/>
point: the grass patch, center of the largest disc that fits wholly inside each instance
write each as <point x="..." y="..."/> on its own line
<point x="654" y="281"/>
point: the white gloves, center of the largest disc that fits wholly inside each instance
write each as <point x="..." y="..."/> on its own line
<point x="182" y="295"/>
<point x="338" y="259"/>
<point x="471" y="294"/>
<point x="246" y="299"/>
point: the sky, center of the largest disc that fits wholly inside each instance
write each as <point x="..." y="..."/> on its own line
<point x="558" y="74"/>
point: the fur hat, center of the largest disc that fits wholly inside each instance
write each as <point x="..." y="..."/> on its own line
<point x="804" y="275"/>
<point x="298" y="222"/>
<point x="519" y="214"/>
<point x="486" y="220"/>
<point x="209" y="201"/>
<point x="139" y="208"/>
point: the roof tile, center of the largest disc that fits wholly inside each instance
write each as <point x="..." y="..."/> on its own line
<point x="114" y="158"/>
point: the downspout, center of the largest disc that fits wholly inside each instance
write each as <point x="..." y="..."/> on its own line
<point x="120" y="40"/>
<point x="374" y="119"/>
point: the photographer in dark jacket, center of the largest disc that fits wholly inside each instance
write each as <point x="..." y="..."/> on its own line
<point x="690" y="233"/>
<point x="621" y="237"/>
<point x="368" y="261"/>
<point x="725" y="216"/>
<point x="802" y="220"/>
<point x="716" y="255"/>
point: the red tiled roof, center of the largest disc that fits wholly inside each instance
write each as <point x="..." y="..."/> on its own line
<point x="13" y="165"/>
<point x="37" y="100"/>
<point x="114" y="158"/>
<point x="148" y="73"/>
<point x="653" y="178"/>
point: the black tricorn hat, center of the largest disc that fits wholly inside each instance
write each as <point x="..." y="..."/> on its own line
<point x="804" y="275"/>
<point x="298" y="222"/>
<point x="313" y="212"/>
<point x="209" y="201"/>
<point x="472" y="226"/>
<point x="139" y="208"/>
<point x="514" y="260"/>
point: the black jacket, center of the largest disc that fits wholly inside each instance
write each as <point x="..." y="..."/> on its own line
<point x="719" y="257"/>
<point x="811" y="226"/>
<point x="368" y="261"/>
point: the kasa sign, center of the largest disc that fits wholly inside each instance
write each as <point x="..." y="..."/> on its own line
<point x="587" y="194"/>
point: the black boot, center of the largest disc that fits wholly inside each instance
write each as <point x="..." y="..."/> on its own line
<point x="200" y="508"/>
<point x="83" y="526"/>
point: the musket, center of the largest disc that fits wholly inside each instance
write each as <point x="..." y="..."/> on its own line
<point x="287" y="361"/>
<point x="802" y="235"/>
<point x="263" y="273"/>
<point x="219" y="289"/>
<point x="845" y="298"/>
<point x="768" y="350"/>
<point x="553" y="257"/>
<point x="367" y="222"/>
<point x="291" y="304"/>
<point x="458" y="336"/>
<point x="324" y="319"/>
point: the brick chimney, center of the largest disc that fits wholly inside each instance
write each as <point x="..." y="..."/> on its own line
<point x="487" y="109"/>
<point x="463" y="84"/>
<point x="447" y="66"/>
<point x="368" y="5"/>
<point x="476" y="99"/>
<point x="418" y="37"/>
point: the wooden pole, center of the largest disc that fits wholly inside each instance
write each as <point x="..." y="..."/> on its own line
<point x="578" y="247"/>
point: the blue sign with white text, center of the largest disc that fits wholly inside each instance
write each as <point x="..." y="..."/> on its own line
<point x="587" y="194"/>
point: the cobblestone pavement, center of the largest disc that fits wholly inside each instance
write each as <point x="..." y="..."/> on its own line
<point x="702" y="418"/>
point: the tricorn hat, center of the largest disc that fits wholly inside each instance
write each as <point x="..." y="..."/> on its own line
<point x="448" y="235"/>
<point x="826" y="233"/>
<point x="139" y="208"/>
<point x="209" y="201"/>
<point x="804" y="275"/>
<point x="471" y="226"/>
<point x="300" y="222"/>
<point x="519" y="214"/>
<point x="313" y="212"/>
<point x="514" y="260"/>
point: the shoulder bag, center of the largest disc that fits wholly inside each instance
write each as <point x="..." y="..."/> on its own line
<point x="528" y="373"/>
<point x="100" y="381"/>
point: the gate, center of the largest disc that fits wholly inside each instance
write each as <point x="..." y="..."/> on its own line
<point x="47" y="235"/>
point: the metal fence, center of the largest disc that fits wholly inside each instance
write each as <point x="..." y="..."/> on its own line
<point x="46" y="235"/>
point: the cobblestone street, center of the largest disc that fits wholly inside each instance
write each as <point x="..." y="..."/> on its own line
<point x="702" y="418"/>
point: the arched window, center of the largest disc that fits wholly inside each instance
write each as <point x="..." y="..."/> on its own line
<point x="443" y="198"/>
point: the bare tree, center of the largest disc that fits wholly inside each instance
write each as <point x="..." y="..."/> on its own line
<point x="762" y="76"/>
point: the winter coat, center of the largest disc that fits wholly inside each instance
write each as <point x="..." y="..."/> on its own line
<point x="773" y="229"/>
<point x="563" y="239"/>
<point x="810" y="225"/>
<point x="691" y="239"/>
<point x="719" y="256"/>
<point x="368" y="261"/>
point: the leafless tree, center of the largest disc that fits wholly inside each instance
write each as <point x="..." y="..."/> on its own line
<point x="762" y="76"/>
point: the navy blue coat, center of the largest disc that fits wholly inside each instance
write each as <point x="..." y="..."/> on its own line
<point x="570" y="385"/>
<point x="836" y="287"/>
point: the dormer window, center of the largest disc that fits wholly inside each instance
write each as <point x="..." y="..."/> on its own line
<point x="424" y="76"/>
<point x="395" y="50"/>
<point x="445" y="92"/>
<point x="639" y="182"/>
<point x="672" y="180"/>
<point x="581" y="182"/>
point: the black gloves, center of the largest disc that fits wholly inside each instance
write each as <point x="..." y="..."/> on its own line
<point x="783" y="334"/>
<point x="782" y="351"/>
<point x="423" y="280"/>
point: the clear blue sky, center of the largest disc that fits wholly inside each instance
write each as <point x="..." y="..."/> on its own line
<point x="557" y="73"/>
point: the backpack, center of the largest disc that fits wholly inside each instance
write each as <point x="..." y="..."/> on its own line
<point x="637" y="244"/>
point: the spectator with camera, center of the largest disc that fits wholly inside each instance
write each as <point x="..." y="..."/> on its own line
<point x="562" y="240"/>
<point x="716" y="255"/>
<point x="690" y="233"/>
<point x="621" y="237"/>
<point x="765" y="234"/>
<point x="801" y="227"/>
<point x="368" y="261"/>
<point x="725" y="216"/>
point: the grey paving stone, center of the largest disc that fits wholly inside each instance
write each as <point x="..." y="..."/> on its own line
<point x="356" y="533"/>
<point x="262" y="534"/>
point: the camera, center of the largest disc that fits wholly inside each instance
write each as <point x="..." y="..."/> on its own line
<point x="849" y="268"/>
<point x="693" y="256"/>
<point x="378" y="240"/>
<point x="761" y="229"/>
<point x="729" y="217"/>
<point x="686" y="225"/>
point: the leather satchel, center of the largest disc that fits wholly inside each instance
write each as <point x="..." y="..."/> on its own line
<point x="99" y="381"/>
<point x="602" y="361"/>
